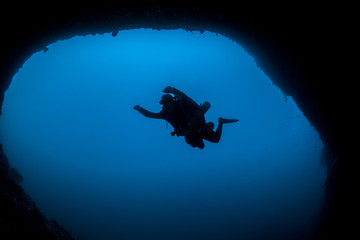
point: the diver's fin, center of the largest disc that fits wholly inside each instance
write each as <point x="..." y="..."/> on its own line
<point x="226" y="120"/>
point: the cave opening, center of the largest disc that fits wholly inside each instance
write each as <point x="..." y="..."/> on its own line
<point x="90" y="161"/>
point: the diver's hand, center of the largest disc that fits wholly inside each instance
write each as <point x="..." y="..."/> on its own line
<point x="168" y="89"/>
<point x="138" y="108"/>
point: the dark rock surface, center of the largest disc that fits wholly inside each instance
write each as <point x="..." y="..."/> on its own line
<point x="295" y="45"/>
<point x="19" y="216"/>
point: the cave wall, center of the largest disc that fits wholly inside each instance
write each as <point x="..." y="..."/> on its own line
<point x="294" y="45"/>
<point x="20" y="218"/>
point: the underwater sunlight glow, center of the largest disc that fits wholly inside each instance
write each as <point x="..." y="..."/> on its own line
<point x="104" y="171"/>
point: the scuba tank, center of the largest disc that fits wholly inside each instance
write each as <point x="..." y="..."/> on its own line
<point x="204" y="107"/>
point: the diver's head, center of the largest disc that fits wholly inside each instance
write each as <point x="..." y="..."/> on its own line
<point x="166" y="99"/>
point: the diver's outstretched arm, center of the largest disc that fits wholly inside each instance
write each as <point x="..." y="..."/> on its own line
<point x="149" y="114"/>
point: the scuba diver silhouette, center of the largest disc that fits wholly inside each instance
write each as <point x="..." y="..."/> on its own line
<point x="187" y="118"/>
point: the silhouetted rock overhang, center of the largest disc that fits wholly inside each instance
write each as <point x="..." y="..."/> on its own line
<point x="293" y="45"/>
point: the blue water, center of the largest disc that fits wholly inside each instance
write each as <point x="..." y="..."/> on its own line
<point x="104" y="171"/>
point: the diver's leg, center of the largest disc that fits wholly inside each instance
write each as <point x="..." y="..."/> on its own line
<point x="194" y="141"/>
<point x="219" y="128"/>
<point x="218" y="132"/>
<point x="214" y="137"/>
